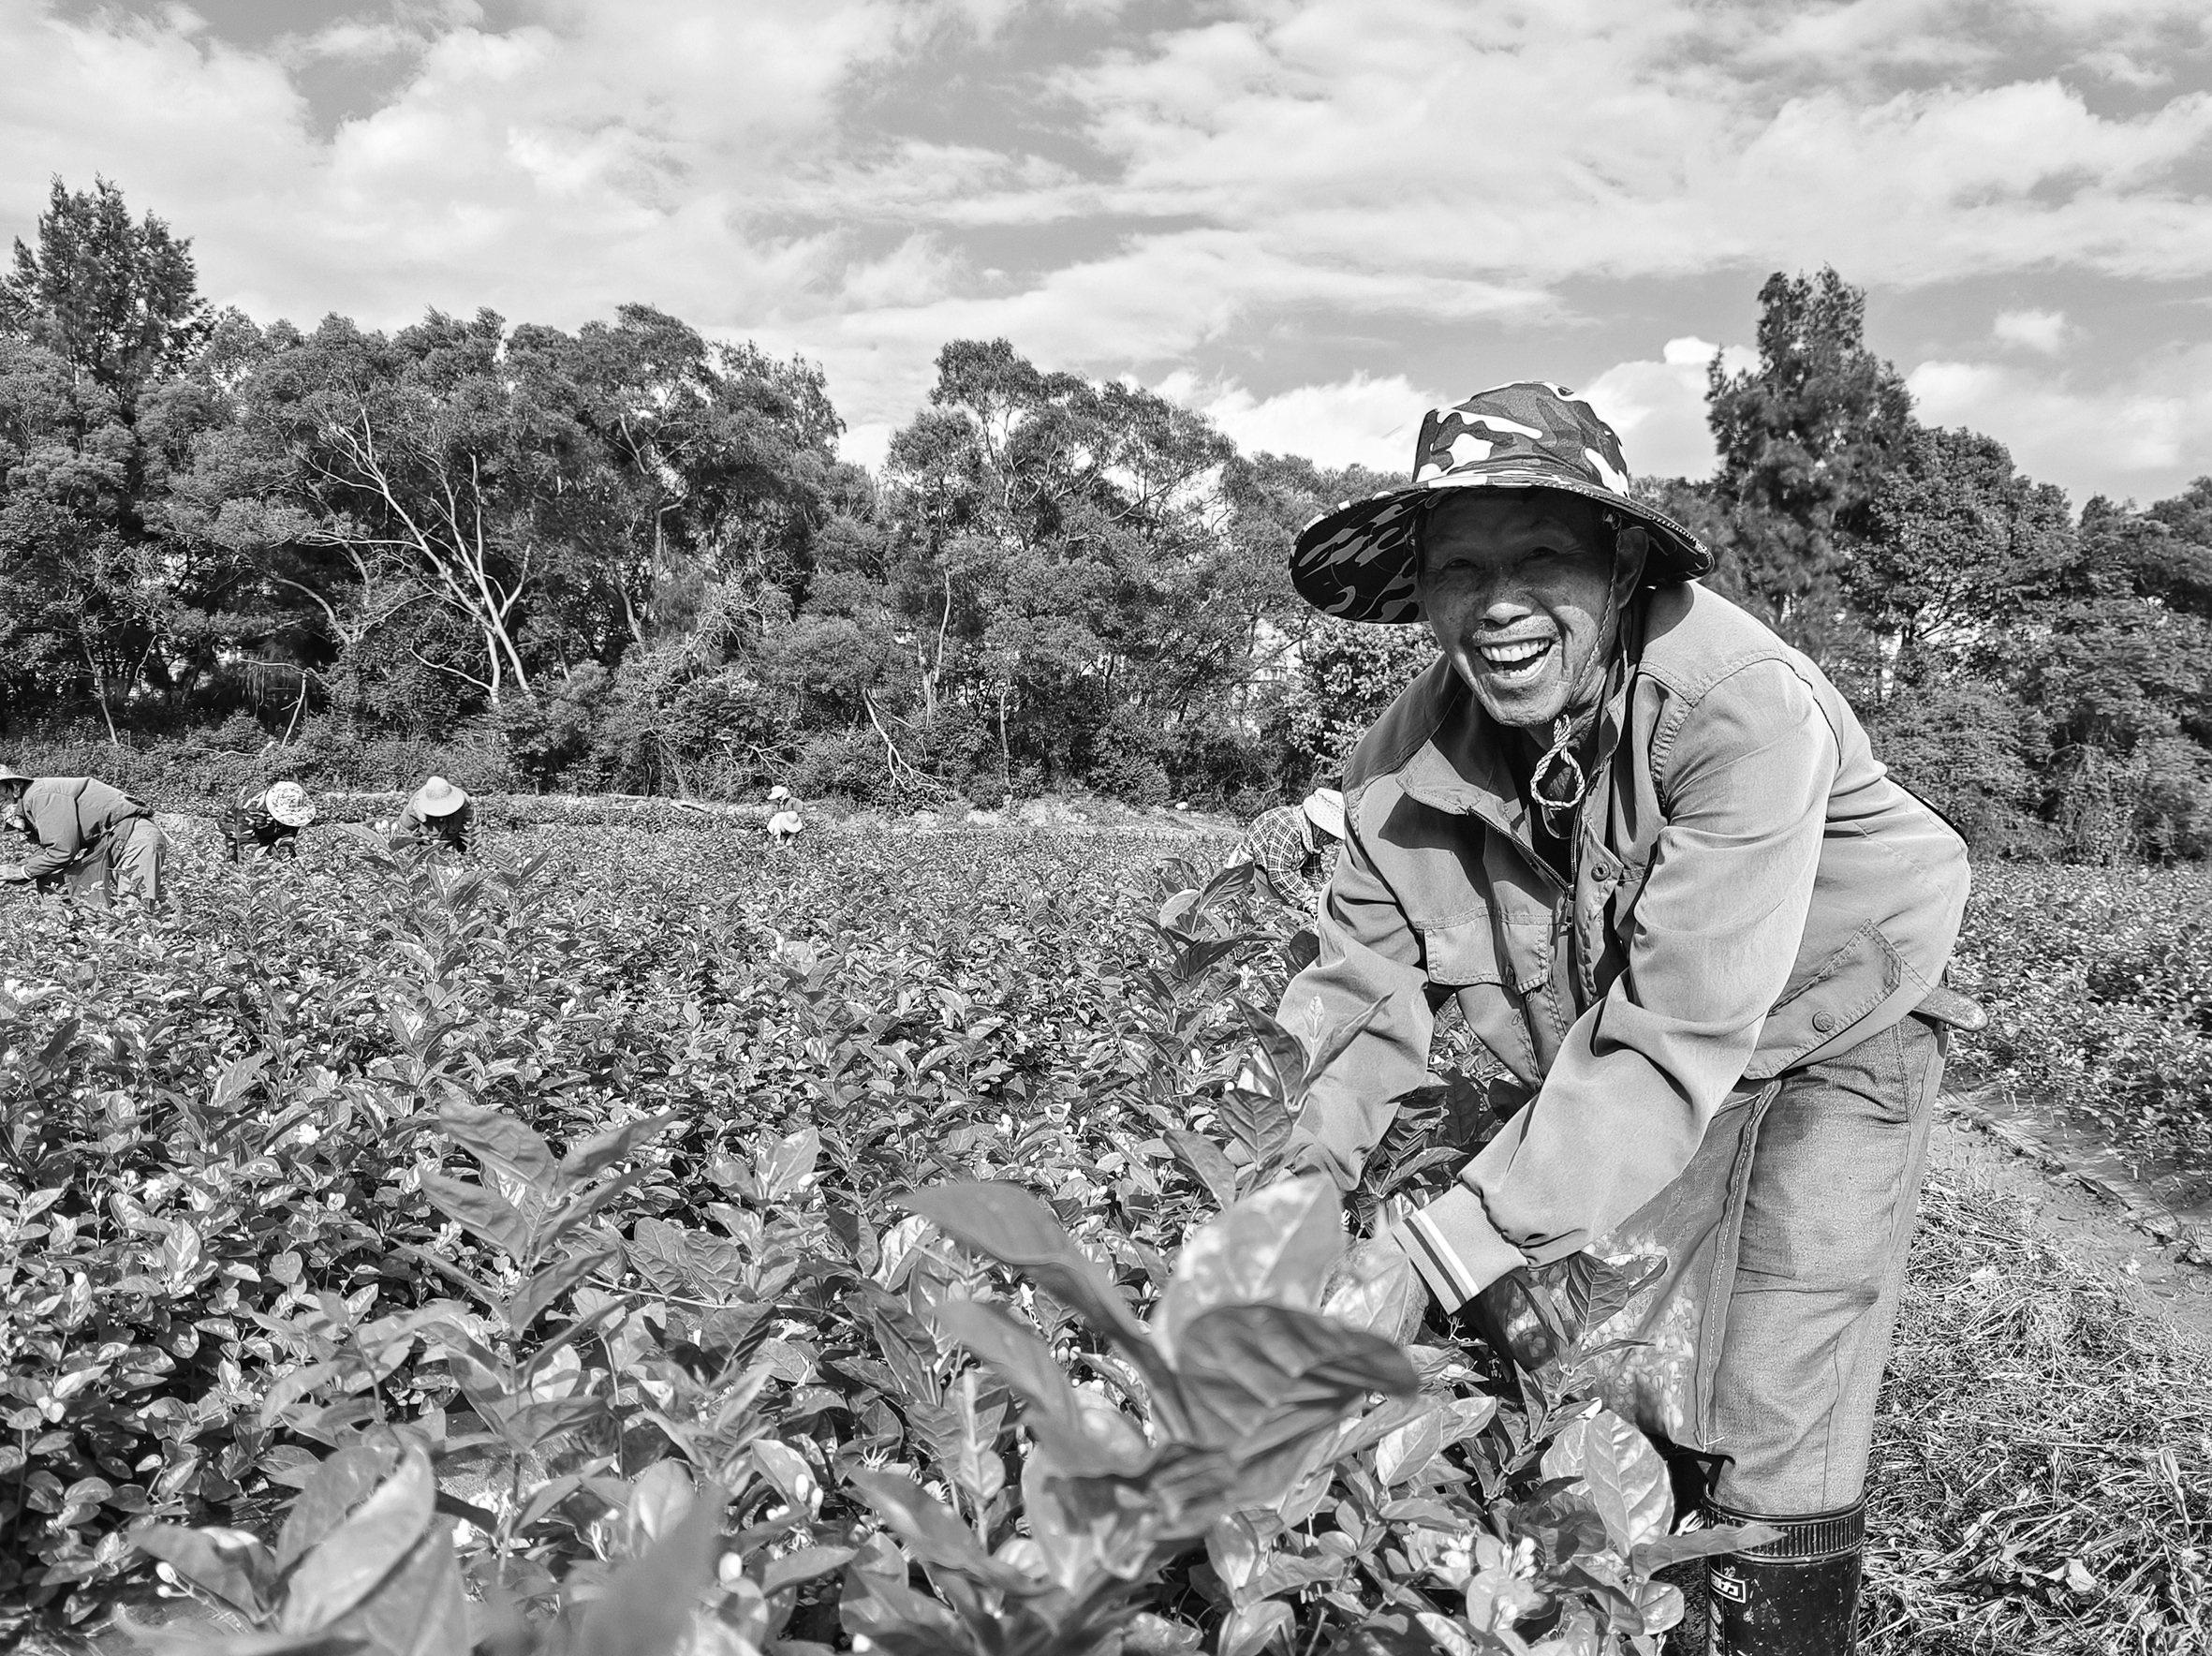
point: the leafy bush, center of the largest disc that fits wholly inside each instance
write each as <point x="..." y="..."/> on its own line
<point x="732" y="1252"/>
<point x="2099" y="983"/>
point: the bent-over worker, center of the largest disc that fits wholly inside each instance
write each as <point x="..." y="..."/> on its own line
<point x="785" y="824"/>
<point x="96" y="841"/>
<point x="267" y="819"/>
<point x="440" y="811"/>
<point x="1293" y="847"/>
<point x="1645" y="845"/>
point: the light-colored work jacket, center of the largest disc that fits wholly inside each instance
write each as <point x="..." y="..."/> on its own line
<point x="1749" y="891"/>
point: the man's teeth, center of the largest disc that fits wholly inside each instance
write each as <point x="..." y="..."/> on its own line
<point x="1515" y="655"/>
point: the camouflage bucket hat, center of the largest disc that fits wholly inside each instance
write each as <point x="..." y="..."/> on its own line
<point x="1357" y="562"/>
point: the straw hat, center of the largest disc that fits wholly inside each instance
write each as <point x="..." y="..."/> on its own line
<point x="289" y="804"/>
<point x="1324" y="809"/>
<point x="9" y="773"/>
<point x="778" y="793"/>
<point x="438" y="797"/>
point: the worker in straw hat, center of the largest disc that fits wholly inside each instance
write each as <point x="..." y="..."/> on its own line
<point x="1293" y="847"/>
<point x="1645" y="846"/>
<point x="95" y="841"/>
<point x="436" y="811"/>
<point x="785" y="824"/>
<point x="267" y="818"/>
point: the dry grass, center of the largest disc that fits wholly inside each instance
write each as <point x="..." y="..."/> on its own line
<point x="2043" y="1466"/>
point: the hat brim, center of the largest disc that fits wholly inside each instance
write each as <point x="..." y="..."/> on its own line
<point x="1358" y="561"/>
<point x="445" y="806"/>
<point x="292" y="816"/>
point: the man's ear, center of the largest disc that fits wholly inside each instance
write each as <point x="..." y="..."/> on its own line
<point x="1631" y="549"/>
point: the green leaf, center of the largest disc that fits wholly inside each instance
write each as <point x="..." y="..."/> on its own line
<point x="1248" y="1629"/>
<point x="647" y="1608"/>
<point x="1627" y="1482"/>
<point x="1652" y="1557"/>
<point x="934" y="1534"/>
<point x="229" y="1563"/>
<point x="660" y="1498"/>
<point x="1202" y="1158"/>
<point x="347" y="1565"/>
<point x="1403" y="1454"/>
<point x="787" y="1165"/>
<point x="547" y="1283"/>
<point x="339" y="1484"/>
<point x="1082" y="1444"/>
<point x="499" y="1140"/>
<point x="1375" y="1287"/>
<point x="1334" y="1046"/>
<point x="808" y="1563"/>
<point x="482" y="1212"/>
<point x="419" y="1610"/>
<point x="1016" y="1229"/>
<point x="1274" y="1247"/>
<point x="1260" y="1123"/>
<point x="603" y="1150"/>
<point x="1243" y="1366"/>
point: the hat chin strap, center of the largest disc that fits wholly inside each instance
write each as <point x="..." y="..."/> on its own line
<point x="1558" y="784"/>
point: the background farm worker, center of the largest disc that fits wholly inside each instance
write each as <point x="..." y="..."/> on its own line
<point x="1645" y="846"/>
<point x="785" y="824"/>
<point x="437" y="810"/>
<point x="95" y="840"/>
<point x="1294" y="847"/>
<point x="269" y="819"/>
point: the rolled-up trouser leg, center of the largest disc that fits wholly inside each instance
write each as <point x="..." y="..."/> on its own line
<point x="1834" y="1189"/>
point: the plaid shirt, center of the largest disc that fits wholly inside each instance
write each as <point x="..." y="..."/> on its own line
<point x="1291" y="856"/>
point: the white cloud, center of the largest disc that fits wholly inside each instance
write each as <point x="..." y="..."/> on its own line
<point x="2145" y="435"/>
<point x="839" y="176"/>
<point x="2045" y="331"/>
<point x="1658" y="408"/>
<point x="1362" y="420"/>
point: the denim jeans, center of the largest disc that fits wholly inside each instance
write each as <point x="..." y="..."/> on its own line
<point x="1775" y="1265"/>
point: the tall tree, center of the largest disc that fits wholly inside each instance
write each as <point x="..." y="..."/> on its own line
<point x="1956" y="547"/>
<point x="1804" y="438"/>
<point x="118" y="301"/>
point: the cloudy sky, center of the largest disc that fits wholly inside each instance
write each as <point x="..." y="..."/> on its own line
<point x="1311" y="220"/>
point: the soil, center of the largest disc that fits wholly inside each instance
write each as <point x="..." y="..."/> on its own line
<point x="2080" y="1213"/>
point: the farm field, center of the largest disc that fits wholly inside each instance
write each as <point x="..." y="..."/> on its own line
<point x="523" y="1253"/>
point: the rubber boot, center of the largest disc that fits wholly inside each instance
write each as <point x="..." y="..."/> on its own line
<point x="1796" y="1596"/>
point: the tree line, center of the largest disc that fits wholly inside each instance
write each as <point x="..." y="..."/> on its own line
<point x="628" y="558"/>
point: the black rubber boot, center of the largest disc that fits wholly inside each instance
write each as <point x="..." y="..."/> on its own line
<point x="1797" y="1596"/>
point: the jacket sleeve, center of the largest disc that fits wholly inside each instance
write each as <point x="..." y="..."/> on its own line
<point x="1642" y="1073"/>
<point x="51" y="814"/>
<point x="1369" y="954"/>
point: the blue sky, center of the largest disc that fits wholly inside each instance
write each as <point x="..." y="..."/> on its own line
<point x="1310" y="220"/>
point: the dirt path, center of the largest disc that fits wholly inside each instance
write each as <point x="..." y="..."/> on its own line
<point x="2079" y="1215"/>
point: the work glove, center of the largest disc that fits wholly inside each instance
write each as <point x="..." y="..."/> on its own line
<point x="13" y="873"/>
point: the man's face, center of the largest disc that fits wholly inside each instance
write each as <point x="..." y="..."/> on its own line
<point x="1514" y="587"/>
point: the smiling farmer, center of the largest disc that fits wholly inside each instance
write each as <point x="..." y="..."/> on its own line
<point x="1645" y="845"/>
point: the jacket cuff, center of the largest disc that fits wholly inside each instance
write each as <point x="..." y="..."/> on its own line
<point x="1456" y="1249"/>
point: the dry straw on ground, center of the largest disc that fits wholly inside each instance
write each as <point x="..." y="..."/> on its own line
<point x="2042" y="1475"/>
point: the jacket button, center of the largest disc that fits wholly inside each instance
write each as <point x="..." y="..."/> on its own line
<point x="1824" y="1021"/>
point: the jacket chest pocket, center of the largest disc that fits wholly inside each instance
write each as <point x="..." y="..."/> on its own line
<point x="1464" y="953"/>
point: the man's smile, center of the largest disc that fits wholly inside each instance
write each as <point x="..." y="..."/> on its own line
<point x="1513" y="660"/>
